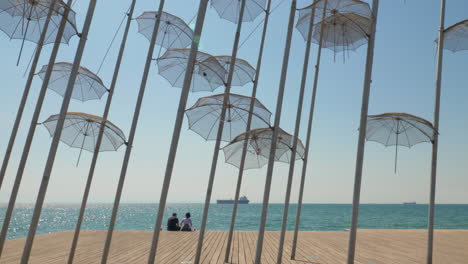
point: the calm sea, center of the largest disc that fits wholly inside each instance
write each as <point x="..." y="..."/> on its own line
<point x="326" y="217"/>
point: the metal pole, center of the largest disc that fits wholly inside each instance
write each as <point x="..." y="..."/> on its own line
<point x="57" y="134"/>
<point x="177" y="128"/>
<point x="131" y="136"/>
<point x="227" y="91"/>
<point x="307" y="147"/>
<point x="298" y="125"/>
<point x="249" y="122"/>
<point x="435" y="145"/>
<point x="271" y="160"/>
<point x="32" y="129"/>
<point x="362" y="134"/>
<point x="100" y="135"/>
<point x="24" y="98"/>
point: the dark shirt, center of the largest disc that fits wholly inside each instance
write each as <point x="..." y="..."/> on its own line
<point x="173" y="223"/>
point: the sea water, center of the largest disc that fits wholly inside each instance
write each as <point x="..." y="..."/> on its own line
<point x="323" y="217"/>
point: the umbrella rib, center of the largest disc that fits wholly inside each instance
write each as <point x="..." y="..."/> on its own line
<point x="77" y="134"/>
<point x="211" y="129"/>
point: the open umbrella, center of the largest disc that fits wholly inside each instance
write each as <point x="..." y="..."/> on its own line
<point x="174" y="32"/>
<point x="25" y="19"/>
<point x="399" y="129"/>
<point x="229" y="9"/>
<point x="204" y="116"/>
<point x="243" y="71"/>
<point x="80" y="131"/>
<point x="259" y="146"/>
<point x="88" y="86"/>
<point x="208" y="73"/>
<point x="343" y="30"/>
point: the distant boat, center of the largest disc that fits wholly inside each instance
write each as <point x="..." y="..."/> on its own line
<point x="242" y="200"/>
<point x="409" y="203"/>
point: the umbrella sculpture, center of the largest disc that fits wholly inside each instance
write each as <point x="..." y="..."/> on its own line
<point x="80" y="131"/>
<point x="88" y="86"/>
<point x="243" y="72"/>
<point x="258" y="148"/>
<point x="208" y="72"/>
<point x="229" y="9"/>
<point x="175" y="32"/>
<point x="25" y="19"/>
<point x="204" y="116"/>
<point x="399" y="129"/>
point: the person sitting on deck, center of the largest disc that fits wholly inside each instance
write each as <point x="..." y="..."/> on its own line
<point x="186" y="223"/>
<point x="173" y="223"/>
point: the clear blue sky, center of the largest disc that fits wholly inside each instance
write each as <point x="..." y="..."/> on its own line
<point x="403" y="81"/>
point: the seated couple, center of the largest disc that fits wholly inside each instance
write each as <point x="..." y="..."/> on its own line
<point x="185" y="224"/>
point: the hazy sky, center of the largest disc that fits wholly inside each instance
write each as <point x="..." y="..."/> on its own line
<point x="403" y="81"/>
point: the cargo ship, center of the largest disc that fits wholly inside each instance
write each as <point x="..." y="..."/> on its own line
<point x="407" y="203"/>
<point x="242" y="200"/>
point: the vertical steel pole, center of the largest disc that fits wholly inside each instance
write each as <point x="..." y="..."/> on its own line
<point x="435" y="144"/>
<point x="24" y="98"/>
<point x="32" y="128"/>
<point x="279" y="106"/>
<point x="177" y="128"/>
<point x="249" y="121"/>
<point x="298" y="125"/>
<point x="362" y="135"/>
<point x="131" y="136"/>
<point x="57" y="134"/>
<point x="214" y="163"/>
<point x="100" y="135"/>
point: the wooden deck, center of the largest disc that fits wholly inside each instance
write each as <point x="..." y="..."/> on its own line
<point x="374" y="247"/>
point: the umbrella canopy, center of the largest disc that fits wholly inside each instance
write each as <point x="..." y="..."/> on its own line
<point x="243" y="71"/>
<point x="80" y="130"/>
<point x="341" y="32"/>
<point x="88" y="86"/>
<point x="399" y="129"/>
<point x="334" y="7"/>
<point x="258" y="148"/>
<point x="204" y="116"/>
<point x="173" y="31"/>
<point x="24" y="19"/>
<point x="208" y="73"/>
<point x="456" y="37"/>
<point x="229" y="9"/>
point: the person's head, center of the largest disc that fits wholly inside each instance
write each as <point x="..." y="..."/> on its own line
<point x="187" y="215"/>
<point x="174" y="214"/>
